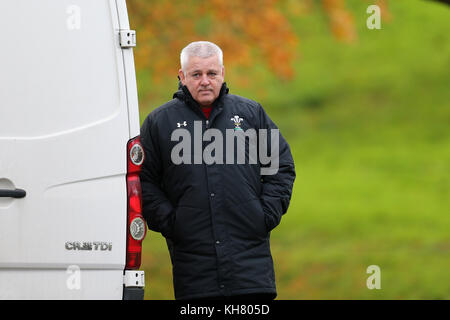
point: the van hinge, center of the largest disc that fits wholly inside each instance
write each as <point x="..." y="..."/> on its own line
<point x="127" y="38"/>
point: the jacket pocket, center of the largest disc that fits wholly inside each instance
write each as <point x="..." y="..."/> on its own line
<point x="192" y="230"/>
<point x="246" y="221"/>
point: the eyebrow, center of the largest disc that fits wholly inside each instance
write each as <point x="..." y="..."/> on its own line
<point x="210" y="70"/>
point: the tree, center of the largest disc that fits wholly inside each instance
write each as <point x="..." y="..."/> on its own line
<point x="165" y="27"/>
<point x="243" y="29"/>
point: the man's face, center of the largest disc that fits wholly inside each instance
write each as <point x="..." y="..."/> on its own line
<point x="204" y="78"/>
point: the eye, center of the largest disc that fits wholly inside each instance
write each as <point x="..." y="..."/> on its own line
<point x="212" y="74"/>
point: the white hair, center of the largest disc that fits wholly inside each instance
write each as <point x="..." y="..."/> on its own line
<point x="202" y="49"/>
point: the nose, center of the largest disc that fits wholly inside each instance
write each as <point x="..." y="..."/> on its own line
<point x="204" y="81"/>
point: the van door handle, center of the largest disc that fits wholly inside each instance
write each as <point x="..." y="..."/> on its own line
<point x="18" y="193"/>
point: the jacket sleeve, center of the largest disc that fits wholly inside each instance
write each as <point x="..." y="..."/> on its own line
<point x="277" y="183"/>
<point x="156" y="207"/>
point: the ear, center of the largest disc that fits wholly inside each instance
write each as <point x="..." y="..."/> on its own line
<point x="181" y="76"/>
<point x="223" y="72"/>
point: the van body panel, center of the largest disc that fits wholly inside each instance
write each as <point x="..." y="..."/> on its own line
<point x="64" y="127"/>
<point x="130" y="74"/>
<point x="58" y="284"/>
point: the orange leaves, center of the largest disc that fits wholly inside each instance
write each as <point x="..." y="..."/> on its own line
<point x="384" y="10"/>
<point x="238" y="27"/>
<point x="245" y="30"/>
<point x="342" y="24"/>
<point x="267" y="29"/>
<point x="162" y="28"/>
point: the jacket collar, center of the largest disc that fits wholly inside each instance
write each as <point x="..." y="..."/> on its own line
<point x="184" y="95"/>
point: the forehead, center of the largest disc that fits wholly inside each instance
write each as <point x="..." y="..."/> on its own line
<point x="198" y="63"/>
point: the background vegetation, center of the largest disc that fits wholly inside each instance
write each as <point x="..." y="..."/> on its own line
<point x="367" y="115"/>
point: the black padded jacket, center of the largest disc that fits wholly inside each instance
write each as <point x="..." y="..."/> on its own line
<point x="216" y="215"/>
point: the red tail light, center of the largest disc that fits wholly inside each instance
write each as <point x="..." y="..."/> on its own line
<point x="136" y="226"/>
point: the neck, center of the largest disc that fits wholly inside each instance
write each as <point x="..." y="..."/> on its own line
<point x="188" y="96"/>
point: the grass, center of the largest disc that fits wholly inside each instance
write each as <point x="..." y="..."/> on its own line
<point x="368" y="125"/>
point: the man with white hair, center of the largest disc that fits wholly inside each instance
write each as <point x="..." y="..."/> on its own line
<point x="215" y="201"/>
<point x="196" y="57"/>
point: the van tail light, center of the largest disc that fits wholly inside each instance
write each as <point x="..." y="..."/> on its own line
<point x="136" y="226"/>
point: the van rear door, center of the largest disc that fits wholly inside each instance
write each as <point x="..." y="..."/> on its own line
<point x="64" y="128"/>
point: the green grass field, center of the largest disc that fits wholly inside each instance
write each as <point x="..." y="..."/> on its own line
<point x="368" y="125"/>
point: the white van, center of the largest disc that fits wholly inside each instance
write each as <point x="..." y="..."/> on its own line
<point x="70" y="201"/>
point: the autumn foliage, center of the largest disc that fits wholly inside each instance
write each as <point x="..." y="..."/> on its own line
<point x="245" y="30"/>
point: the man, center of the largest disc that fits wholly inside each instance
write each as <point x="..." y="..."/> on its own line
<point x="216" y="209"/>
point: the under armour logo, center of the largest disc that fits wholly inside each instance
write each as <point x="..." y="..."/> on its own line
<point x="179" y="124"/>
